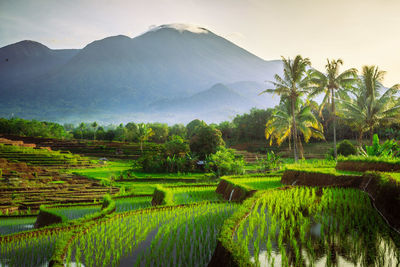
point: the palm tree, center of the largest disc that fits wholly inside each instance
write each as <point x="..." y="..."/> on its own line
<point x="144" y="133"/>
<point x="294" y="83"/>
<point x="372" y="103"/>
<point x="94" y="126"/>
<point x="331" y="83"/>
<point x="81" y="127"/>
<point x="279" y="126"/>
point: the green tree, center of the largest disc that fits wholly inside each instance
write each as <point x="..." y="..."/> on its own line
<point x="144" y="133"/>
<point x="132" y="132"/>
<point x="81" y="127"/>
<point x="94" y="126"/>
<point x="205" y="141"/>
<point x="279" y="126"/>
<point x="227" y="128"/>
<point x="294" y="83"/>
<point x="332" y="84"/>
<point x="178" y="129"/>
<point x="191" y="127"/>
<point x="372" y="103"/>
<point x="160" y="132"/>
<point x="121" y="133"/>
<point x="176" y="146"/>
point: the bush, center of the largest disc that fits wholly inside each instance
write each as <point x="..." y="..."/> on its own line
<point x="106" y="201"/>
<point x="163" y="163"/>
<point x="225" y="162"/>
<point x="271" y="161"/>
<point x="346" y="148"/>
<point x="389" y="149"/>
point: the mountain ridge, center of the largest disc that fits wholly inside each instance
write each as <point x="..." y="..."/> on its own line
<point x="119" y="74"/>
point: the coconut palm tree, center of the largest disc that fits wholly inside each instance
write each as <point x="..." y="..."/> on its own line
<point x="94" y="126"/>
<point x="81" y="127"/>
<point x="332" y="84"/>
<point x="294" y="83"/>
<point x="372" y="103"/>
<point x="144" y="133"/>
<point x="279" y="126"/>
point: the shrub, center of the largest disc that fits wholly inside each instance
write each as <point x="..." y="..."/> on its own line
<point x="106" y="201"/>
<point x="224" y="162"/>
<point x="346" y="148"/>
<point x="270" y="162"/>
<point x="164" y="163"/>
<point x="389" y="149"/>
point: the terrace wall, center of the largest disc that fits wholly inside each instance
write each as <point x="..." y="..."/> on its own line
<point x="363" y="166"/>
<point x="225" y="188"/>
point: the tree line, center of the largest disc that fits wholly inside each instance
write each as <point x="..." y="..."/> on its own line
<point x="359" y="100"/>
<point x="354" y="104"/>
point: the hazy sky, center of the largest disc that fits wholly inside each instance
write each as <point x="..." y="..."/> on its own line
<point x="360" y="32"/>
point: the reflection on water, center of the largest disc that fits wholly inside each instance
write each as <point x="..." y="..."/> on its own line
<point x="15" y="225"/>
<point x="339" y="228"/>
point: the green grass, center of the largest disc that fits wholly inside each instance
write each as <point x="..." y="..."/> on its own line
<point x="112" y="169"/>
<point x="372" y="159"/>
<point x="394" y="175"/>
<point x="124" y="167"/>
<point x="256" y="183"/>
<point x="330" y="171"/>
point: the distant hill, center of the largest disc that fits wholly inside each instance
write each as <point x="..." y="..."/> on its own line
<point x="25" y="60"/>
<point x="163" y="69"/>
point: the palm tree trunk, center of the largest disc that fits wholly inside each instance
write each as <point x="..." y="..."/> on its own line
<point x="294" y="131"/>
<point x="334" y="123"/>
<point x="301" y="150"/>
<point x="371" y="135"/>
<point x="360" y="134"/>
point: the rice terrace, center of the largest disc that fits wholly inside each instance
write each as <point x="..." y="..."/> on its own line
<point x="132" y="140"/>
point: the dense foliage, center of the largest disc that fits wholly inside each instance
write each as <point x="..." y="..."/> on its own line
<point x="35" y="128"/>
<point x="224" y="162"/>
<point x="205" y="141"/>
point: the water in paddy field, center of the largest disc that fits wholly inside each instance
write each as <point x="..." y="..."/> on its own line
<point x="334" y="232"/>
<point x="15" y="225"/>
<point x="334" y="251"/>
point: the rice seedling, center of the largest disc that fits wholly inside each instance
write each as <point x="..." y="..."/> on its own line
<point x="310" y="226"/>
<point x="75" y="212"/>
<point x="14" y="225"/>
<point x="182" y="235"/>
<point x="185" y="195"/>
<point x="258" y="183"/>
<point x="133" y="203"/>
<point x="31" y="250"/>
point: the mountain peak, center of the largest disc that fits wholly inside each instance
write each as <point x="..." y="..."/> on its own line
<point x="181" y="27"/>
<point x="27" y="44"/>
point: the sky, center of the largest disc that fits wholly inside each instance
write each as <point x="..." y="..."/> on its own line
<point x="361" y="32"/>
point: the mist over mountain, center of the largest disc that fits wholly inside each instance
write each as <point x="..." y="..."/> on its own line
<point x="170" y="73"/>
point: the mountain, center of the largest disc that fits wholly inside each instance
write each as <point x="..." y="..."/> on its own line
<point x="122" y="75"/>
<point x="25" y="60"/>
<point x="217" y="97"/>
